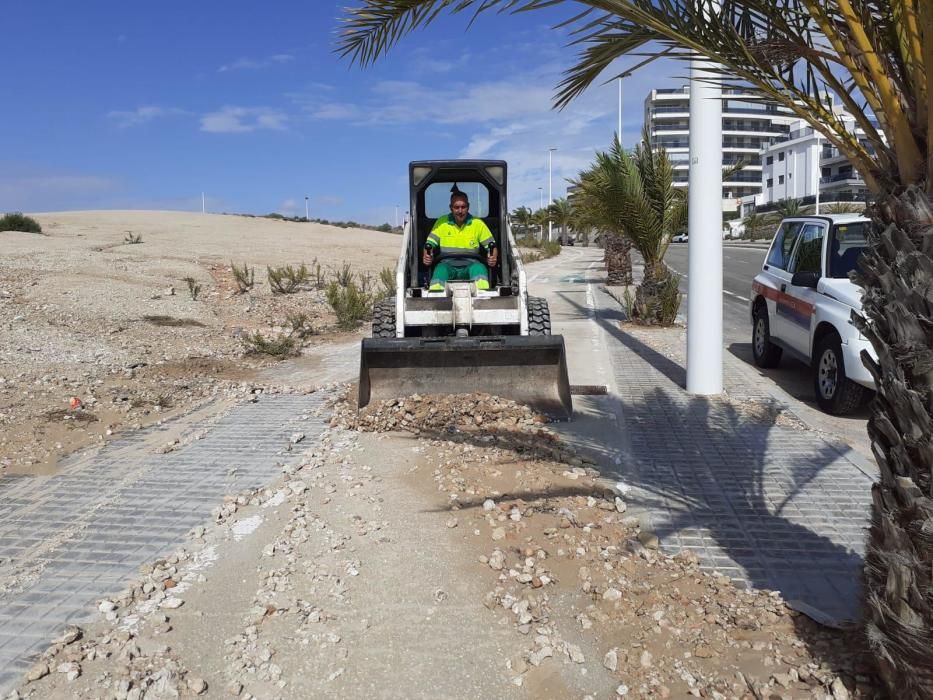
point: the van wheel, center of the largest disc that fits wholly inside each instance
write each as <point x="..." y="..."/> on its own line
<point x="539" y="316"/>
<point x="766" y="353"/>
<point x="384" y="318"/>
<point x="835" y="393"/>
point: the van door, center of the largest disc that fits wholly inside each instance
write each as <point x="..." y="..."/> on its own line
<point x="775" y="278"/>
<point x="798" y="306"/>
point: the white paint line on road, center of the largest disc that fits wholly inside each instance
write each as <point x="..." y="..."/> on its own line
<point x="737" y="296"/>
<point x="590" y="301"/>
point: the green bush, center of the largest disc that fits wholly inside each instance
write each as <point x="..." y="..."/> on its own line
<point x="245" y="277"/>
<point x="318" y="276"/>
<point x="279" y="346"/>
<point x="16" y="221"/>
<point x="387" y="277"/>
<point x="344" y="275"/>
<point x="350" y="304"/>
<point x="287" y="280"/>
<point x="299" y="325"/>
<point x="194" y="289"/>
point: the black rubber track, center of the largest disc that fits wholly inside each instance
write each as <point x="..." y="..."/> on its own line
<point x="539" y="317"/>
<point x="384" y="318"/>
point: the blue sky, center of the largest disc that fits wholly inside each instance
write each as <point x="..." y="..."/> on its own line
<point x="145" y="105"/>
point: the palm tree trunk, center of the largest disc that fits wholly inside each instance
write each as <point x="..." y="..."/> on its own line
<point x="618" y="260"/>
<point x="897" y="273"/>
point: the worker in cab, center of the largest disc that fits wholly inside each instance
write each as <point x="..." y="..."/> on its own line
<point x="457" y="243"/>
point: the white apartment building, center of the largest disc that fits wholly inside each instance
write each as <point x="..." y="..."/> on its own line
<point x="749" y="123"/>
<point x="795" y="165"/>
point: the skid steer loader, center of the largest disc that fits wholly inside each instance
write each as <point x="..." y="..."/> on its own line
<point x="462" y="339"/>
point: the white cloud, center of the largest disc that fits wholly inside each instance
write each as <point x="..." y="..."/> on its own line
<point x="232" y="120"/>
<point x="246" y="63"/>
<point x="142" y="115"/>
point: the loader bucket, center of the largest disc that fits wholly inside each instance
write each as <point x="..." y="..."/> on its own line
<point x="528" y="369"/>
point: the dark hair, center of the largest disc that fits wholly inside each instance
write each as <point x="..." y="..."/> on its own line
<point x="459" y="195"/>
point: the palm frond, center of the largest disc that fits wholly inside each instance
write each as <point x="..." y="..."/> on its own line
<point x="876" y="56"/>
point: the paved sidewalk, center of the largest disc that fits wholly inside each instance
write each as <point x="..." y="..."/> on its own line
<point x="772" y="506"/>
<point x="70" y="539"/>
<point x="769" y="505"/>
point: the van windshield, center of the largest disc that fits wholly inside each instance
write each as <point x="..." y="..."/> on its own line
<point x="848" y="243"/>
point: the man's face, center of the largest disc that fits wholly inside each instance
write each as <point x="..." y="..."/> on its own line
<point x="459" y="208"/>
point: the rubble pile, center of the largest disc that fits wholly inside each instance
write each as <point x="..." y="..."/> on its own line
<point x="441" y="413"/>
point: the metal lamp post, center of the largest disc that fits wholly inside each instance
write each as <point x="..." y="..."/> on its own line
<point x="541" y="206"/>
<point x="307" y="211"/>
<point x="704" y="253"/>
<point x="550" y="198"/>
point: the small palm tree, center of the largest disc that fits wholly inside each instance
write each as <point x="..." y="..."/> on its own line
<point x="539" y="220"/>
<point x="759" y="226"/>
<point x="634" y="195"/>
<point x="789" y="207"/>
<point x="843" y="208"/>
<point x="522" y="218"/>
<point x="561" y="214"/>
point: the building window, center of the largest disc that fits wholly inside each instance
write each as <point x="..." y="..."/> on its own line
<point x="780" y="179"/>
<point x="770" y="182"/>
<point x="770" y="160"/>
<point x="781" y="155"/>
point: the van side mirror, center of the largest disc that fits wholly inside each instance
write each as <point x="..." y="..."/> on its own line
<point x="805" y="279"/>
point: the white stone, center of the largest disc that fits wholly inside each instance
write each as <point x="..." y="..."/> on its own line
<point x="612" y="595"/>
<point x="611" y="660"/>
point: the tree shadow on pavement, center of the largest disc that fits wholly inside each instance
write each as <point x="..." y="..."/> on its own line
<point x="768" y="504"/>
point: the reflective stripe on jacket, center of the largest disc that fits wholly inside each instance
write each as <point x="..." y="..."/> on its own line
<point x="463" y="242"/>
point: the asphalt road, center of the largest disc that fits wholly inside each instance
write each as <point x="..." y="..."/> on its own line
<point x="740" y="264"/>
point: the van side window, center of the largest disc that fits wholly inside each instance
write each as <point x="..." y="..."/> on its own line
<point x="783" y="245"/>
<point x="808" y="257"/>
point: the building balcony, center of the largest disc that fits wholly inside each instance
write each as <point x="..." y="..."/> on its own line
<point x="670" y="127"/>
<point x="842" y="181"/>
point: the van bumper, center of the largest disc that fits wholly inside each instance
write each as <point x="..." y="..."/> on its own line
<point x="852" y="355"/>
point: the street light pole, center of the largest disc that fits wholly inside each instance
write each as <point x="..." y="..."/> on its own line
<point x="396" y="216"/>
<point x="704" y="245"/>
<point x="541" y="206"/>
<point x="620" y="111"/>
<point x="819" y="171"/>
<point x="550" y="197"/>
<point x="307" y="211"/>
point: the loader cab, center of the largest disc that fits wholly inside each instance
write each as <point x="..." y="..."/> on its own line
<point x="431" y="184"/>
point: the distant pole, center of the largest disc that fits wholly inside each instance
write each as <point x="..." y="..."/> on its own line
<point x="396" y="216"/>
<point x="203" y="209"/>
<point x="704" y="247"/>
<point x="620" y="111"/>
<point x="541" y="206"/>
<point x="307" y="211"/>
<point x="819" y="171"/>
<point x="550" y="197"/>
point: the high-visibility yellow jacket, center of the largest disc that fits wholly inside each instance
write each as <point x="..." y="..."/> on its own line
<point x="460" y="241"/>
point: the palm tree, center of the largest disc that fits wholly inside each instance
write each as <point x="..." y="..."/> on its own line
<point x="759" y="225"/>
<point x="561" y="214"/>
<point x="634" y="195"/>
<point x="522" y="218"/>
<point x="539" y="219"/>
<point x="844" y="208"/>
<point x="876" y="58"/>
<point x="789" y="207"/>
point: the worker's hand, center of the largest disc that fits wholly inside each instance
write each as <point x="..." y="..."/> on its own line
<point x="493" y="258"/>
<point x="427" y="257"/>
